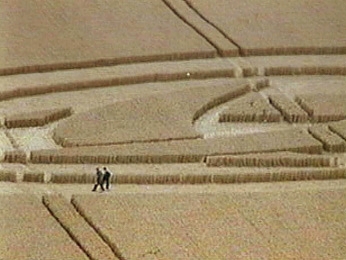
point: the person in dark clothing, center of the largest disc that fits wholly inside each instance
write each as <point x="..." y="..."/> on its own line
<point x="99" y="180"/>
<point x="106" y="177"/>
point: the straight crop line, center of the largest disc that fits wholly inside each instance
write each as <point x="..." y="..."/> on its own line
<point x="67" y="230"/>
<point x="116" y="251"/>
<point x="191" y="25"/>
<point x="215" y="26"/>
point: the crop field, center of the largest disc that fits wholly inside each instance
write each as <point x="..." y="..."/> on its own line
<point x="28" y="231"/>
<point x="280" y="224"/>
<point x="223" y="122"/>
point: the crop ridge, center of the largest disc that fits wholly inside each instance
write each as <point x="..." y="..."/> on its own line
<point x="36" y="118"/>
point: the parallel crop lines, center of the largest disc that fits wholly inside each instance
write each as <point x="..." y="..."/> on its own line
<point x="185" y="150"/>
<point x="162" y="226"/>
<point x="79" y="230"/>
<point x="213" y="36"/>
<point x="331" y="141"/>
<point x="289" y="109"/>
<point x="72" y="80"/>
<point x="28" y="231"/>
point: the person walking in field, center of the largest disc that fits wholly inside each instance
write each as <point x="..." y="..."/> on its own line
<point x="99" y="180"/>
<point x="106" y="177"/>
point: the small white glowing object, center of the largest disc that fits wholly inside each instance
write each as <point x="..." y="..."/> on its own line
<point x="188" y="74"/>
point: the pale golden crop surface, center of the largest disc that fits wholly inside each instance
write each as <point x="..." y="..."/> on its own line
<point x="271" y="28"/>
<point x="28" y="231"/>
<point x="60" y="34"/>
<point x="287" y="224"/>
<point x="303" y="224"/>
<point x="235" y="110"/>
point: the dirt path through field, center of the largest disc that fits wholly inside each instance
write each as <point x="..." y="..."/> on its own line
<point x="68" y="190"/>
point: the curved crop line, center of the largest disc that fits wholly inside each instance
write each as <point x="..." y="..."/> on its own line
<point x="220" y="100"/>
<point x="260" y="84"/>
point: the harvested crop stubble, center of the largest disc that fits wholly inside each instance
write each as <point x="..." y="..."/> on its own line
<point x="34" y="177"/>
<point x="59" y="177"/>
<point x="167" y="225"/>
<point x="305" y="70"/>
<point x="235" y="175"/>
<point x="299" y="65"/>
<point x="163" y="116"/>
<point x="79" y="230"/>
<point x="280" y="159"/>
<point x="16" y="156"/>
<point x="148" y="178"/>
<point x="254" y="25"/>
<point x="331" y="141"/>
<point x="261" y="83"/>
<point x="28" y="231"/>
<point x="302" y="224"/>
<point x="111" y="24"/>
<point x="289" y="109"/>
<point x="279" y="175"/>
<point x="76" y="177"/>
<point x="250" y="108"/>
<point x="324" y="107"/>
<point x="8" y="175"/>
<point x="36" y="118"/>
<point x="195" y="150"/>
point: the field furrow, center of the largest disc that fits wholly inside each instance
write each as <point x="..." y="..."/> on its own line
<point x="28" y="231"/>
<point x="79" y="230"/>
<point x="106" y="37"/>
<point x="177" y="226"/>
<point x="258" y="30"/>
<point x="223" y="45"/>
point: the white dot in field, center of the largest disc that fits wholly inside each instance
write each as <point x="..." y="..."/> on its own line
<point x="188" y="74"/>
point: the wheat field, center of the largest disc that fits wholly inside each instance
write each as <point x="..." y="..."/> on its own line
<point x="223" y="123"/>
<point x="178" y="224"/>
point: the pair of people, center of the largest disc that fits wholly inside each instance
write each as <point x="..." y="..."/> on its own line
<point x="101" y="178"/>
